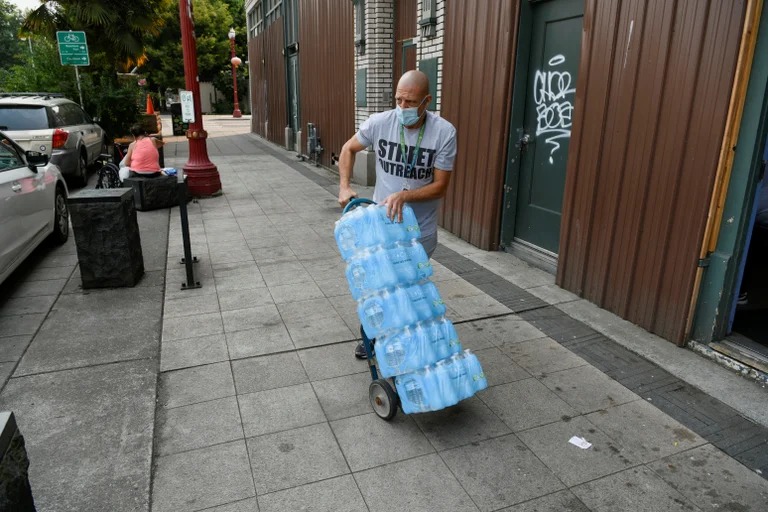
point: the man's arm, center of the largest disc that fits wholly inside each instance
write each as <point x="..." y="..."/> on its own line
<point x="346" y="160"/>
<point x="435" y="190"/>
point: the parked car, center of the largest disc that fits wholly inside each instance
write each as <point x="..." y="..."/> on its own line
<point x="51" y="124"/>
<point x="33" y="204"/>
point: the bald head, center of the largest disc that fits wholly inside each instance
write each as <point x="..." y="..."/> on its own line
<point x="415" y="81"/>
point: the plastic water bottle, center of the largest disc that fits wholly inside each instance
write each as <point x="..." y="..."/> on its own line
<point x="369" y="270"/>
<point x="400" y="257"/>
<point x="403" y="231"/>
<point x="358" y="229"/>
<point x="461" y="381"/>
<point x="416" y="391"/>
<point x="420" y="260"/>
<point x="446" y="393"/>
<point x="426" y="301"/>
<point x="475" y="371"/>
<point x="443" y="338"/>
<point x="384" y="311"/>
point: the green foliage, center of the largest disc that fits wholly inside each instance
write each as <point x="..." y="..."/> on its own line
<point x="10" y="44"/>
<point x="117" y="106"/>
<point x="39" y="71"/>
<point x="223" y="83"/>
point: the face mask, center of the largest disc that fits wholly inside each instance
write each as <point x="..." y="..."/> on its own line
<point x="409" y="116"/>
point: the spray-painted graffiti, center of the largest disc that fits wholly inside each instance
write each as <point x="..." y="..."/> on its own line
<point x="553" y="95"/>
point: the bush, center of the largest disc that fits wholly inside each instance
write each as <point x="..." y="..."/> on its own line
<point x="116" y="105"/>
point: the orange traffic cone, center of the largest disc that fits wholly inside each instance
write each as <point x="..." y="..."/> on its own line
<point x="150" y="106"/>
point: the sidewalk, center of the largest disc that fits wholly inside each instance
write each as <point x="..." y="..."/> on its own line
<point x="262" y="406"/>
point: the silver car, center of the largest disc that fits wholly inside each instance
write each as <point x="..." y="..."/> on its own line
<point x="33" y="204"/>
<point x="51" y="124"/>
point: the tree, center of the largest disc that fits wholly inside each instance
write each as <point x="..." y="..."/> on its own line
<point x="116" y="29"/>
<point x="10" y="45"/>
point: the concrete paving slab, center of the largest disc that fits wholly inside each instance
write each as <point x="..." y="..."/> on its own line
<point x="562" y="501"/>
<point x="525" y="404"/>
<point x="284" y="272"/>
<point x="203" y="478"/>
<point x="507" y="330"/>
<point x="331" y="361"/>
<point x="346" y="308"/>
<point x="244" y="299"/>
<point x="314" y="322"/>
<point x="473" y="337"/>
<point x="451" y="289"/>
<point x="467" y="422"/>
<point x="190" y="352"/>
<point x="76" y="334"/>
<point x="12" y="347"/>
<point x="296" y="293"/>
<point x="644" y="431"/>
<point x="268" y="372"/>
<point x="19" y="325"/>
<point x="257" y="241"/>
<point x="326" y="268"/>
<point x="543" y="356"/>
<point x="222" y="270"/>
<point x="267" y="339"/>
<point x="194" y="385"/>
<point x="192" y="306"/>
<point x="224" y="255"/>
<point x="587" y="389"/>
<point x="88" y="433"/>
<point x="39" y="288"/>
<point x="333" y="287"/>
<point x="571" y="464"/>
<point x="498" y="368"/>
<point x="634" y="489"/>
<point x="192" y="327"/>
<point x="246" y="505"/>
<point x="48" y="273"/>
<point x="26" y="305"/>
<point x="295" y="457"/>
<point x="199" y="425"/>
<point x="473" y="308"/>
<point x="423" y="484"/>
<point x="250" y="318"/>
<point x="232" y="283"/>
<point x="273" y="254"/>
<point x="337" y="494"/>
<point x="552" y="294"/>
<point x="346" y="396"/>
<point x="500" y="472"/>
<point x="279" y="409"/>
<point x="5" y="372"/>
<point x="383" y="442"/>
<point x="712" y="480"/>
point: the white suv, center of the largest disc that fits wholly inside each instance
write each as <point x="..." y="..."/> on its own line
<point x="53" y="125"/>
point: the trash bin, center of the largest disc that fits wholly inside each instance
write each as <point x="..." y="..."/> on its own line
<point x="107" y="237"/>
<point x="15" y="491"/>
<point x="179" y="127"/>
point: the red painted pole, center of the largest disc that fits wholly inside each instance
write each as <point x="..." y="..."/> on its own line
<point x="203" y="176"/>
<point x="236" y="112"/>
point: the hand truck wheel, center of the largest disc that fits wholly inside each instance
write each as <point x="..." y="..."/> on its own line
<point x="383" y="399"/>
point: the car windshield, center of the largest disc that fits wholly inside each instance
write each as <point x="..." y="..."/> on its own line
<point x="18" y="117"/>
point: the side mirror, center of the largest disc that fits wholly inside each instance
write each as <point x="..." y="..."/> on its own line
<point x="35" y="159"/>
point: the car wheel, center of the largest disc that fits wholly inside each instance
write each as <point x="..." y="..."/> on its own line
<point x="81" y="174"/>
<point x="60" y="218"/>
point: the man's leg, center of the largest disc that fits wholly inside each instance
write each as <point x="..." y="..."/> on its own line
<point x="430" y="244"/>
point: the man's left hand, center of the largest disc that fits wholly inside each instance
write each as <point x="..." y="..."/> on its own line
<point x="395" y="203"/>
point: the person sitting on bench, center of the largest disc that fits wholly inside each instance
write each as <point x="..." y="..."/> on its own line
<point x="142" y="158"/>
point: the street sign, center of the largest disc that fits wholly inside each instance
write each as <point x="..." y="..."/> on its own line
<point x="73" y="48"/>
<point x="187" y="107"/>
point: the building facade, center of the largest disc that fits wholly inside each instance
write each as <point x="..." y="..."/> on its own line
<point x="615" y="143"/>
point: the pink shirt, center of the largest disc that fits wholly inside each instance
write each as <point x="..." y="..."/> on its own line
<point x="145" y="157"/>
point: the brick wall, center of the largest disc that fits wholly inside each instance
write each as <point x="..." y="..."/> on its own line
<point x="433" y="47"/>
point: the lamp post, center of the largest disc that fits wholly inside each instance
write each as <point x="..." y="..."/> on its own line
<point x="235" y="62"/>
<point x="203" y="176"/>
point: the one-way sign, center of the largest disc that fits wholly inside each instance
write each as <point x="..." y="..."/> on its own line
<point x="73" y="48"/>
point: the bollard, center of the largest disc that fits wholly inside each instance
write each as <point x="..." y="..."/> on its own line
<point x="188" y="260"/>
<point x="15" y="491"/>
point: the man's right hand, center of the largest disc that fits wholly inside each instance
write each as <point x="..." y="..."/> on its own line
<point x="346" y="194"/>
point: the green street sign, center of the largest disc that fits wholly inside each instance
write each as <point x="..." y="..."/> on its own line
<point x="73" y="48"/>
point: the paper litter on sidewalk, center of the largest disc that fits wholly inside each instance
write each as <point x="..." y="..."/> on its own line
<point x="580" y="442"/>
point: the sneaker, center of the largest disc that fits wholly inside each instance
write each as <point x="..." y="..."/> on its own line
<point x="360" y="351"/>
<point x="743" y="299"/>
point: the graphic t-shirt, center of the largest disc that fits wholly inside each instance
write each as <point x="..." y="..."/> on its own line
<point x="437" y="151"/>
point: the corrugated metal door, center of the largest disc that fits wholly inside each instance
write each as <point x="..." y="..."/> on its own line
<point x="654" y="90"/>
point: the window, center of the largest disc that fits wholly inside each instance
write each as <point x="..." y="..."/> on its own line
<point x="9" y="158"/>
<point x="263" y="14"/>
<point x="17" y="117"/>
<point x="428" y="22"/>
<point x="360" y="26"/>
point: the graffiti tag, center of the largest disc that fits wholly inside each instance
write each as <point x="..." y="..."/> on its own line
<point x="553" y="94"/>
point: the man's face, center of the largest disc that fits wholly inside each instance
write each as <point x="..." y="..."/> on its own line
<point x="409" y="97"/>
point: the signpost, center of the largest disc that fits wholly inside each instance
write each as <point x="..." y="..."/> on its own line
<point x="187" y="107"/>
<point x="73" y="51"/>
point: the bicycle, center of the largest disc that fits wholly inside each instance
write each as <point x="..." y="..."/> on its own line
<point x="109" y="172"/>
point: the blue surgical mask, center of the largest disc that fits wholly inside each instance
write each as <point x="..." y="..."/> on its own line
<point x="409" y="116"/>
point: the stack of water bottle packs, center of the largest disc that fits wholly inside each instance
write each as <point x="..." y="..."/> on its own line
<point x="388" y="273"/>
